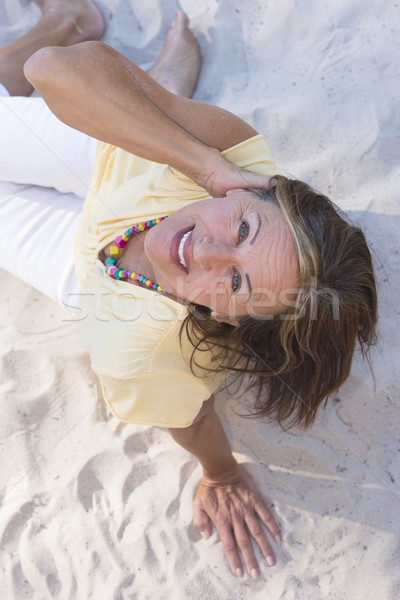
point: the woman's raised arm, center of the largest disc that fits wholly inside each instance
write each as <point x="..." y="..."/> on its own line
<point x="98" y="91"/>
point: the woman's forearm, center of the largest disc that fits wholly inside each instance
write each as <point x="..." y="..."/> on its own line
<point x="207" y="441"/>
<point x="87" y="87"/>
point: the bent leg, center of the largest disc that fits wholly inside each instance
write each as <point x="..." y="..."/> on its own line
<point x="37" y="232"/>
<point x="36" y="148"/>
<point x="62" y="23"/>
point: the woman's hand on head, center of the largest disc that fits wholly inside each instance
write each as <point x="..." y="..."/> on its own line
<point x="237" y="511"/>
<point x="221" y="176"/>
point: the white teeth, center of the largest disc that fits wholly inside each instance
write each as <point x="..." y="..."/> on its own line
<point x="180" y="249"/>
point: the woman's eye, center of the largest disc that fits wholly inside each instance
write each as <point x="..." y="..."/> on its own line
<point x="243" y="231"/>
<point x="236" y="281"/>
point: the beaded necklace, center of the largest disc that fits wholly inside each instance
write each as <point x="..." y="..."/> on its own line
<point x="120" y="242"/>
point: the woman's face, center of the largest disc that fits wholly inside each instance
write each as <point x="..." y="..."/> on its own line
<point x="234" y="255"/>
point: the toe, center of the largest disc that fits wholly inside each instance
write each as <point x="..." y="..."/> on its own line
<point x="181" y="20"/>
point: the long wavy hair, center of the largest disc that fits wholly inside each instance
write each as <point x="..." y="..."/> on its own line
<point x="297" y="358"/>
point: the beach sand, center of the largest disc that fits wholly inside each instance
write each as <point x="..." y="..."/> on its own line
<point x="93" y="508"/>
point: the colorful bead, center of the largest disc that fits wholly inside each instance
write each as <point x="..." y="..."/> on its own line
<point x="110" y="261"/>
<point x="114" y="252"/>
<point x="119" y="242"/>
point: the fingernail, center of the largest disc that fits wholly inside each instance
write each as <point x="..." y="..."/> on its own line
<point x="203" y="535"/>
<point x="254" y="573"/>
<point x="278" y="538"/>
<point x="270" y="561"/>
<point x="239" y="573"/>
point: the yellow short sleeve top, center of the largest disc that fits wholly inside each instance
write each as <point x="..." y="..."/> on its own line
<point x="132" y="333"/>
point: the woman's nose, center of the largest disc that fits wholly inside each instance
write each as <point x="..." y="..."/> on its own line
<point x="211" y="253"/>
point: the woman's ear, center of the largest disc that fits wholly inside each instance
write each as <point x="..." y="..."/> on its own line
<point x="223" y="319"/>
<point x="273" y="183"/>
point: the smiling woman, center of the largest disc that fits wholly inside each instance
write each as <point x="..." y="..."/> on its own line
<point x="193" y="258"/>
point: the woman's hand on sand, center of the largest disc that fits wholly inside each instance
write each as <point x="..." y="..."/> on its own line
<point x="237" y="511"/>
<point x="222" y="176"/>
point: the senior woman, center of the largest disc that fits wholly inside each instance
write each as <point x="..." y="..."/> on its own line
<point x="194" y="258"/>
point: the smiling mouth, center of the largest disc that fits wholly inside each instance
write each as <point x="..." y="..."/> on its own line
<point x="180" y="248"/>
<point x="182" y="251"/>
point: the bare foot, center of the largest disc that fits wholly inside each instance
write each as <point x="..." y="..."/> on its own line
<point x="62" y="23"/>
<point x="178" y="66"/>
<point x="82" y="18"/>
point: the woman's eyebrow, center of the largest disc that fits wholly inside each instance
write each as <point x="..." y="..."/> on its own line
<point x="257" y="230"/>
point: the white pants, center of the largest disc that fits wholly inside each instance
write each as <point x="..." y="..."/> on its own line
<point x="45" y="171"/>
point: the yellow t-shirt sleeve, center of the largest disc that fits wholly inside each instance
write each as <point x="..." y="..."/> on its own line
<point x="171" y="399"/>
<point x="137" y="352"/>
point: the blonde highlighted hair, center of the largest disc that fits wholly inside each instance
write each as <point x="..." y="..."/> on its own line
<point x="297" y="358"/>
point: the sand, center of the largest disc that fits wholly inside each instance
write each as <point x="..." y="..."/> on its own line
<point x="92" y="508"/>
